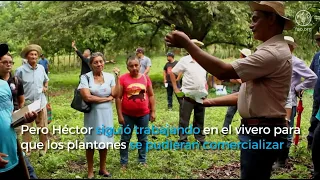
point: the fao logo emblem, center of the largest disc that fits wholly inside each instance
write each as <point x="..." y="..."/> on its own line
<point x="303" y="18"/>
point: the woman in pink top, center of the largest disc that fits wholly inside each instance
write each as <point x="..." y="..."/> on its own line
<point x="135" y="106"/>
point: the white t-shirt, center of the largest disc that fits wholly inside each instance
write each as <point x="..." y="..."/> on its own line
<point x="194" y="79"/>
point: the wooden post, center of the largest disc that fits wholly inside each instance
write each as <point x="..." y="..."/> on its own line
<point x="69" y="59"/>
<point x="53" y="63"/>
<point x="58" y="62"/>
<point x="64" y="63"/>
<point x="74" y="60"/>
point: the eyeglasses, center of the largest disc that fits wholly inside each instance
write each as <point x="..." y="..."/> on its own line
<point x="7" y="62"/>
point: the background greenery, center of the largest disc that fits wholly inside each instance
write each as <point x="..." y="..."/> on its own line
<point x="118" y="27"/>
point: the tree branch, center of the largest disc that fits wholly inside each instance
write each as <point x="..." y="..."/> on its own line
<point x="154" y="33"/>
<point x="140" y="22"/>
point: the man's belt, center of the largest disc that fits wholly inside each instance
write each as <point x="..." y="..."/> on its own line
<point x="264" y="121"/>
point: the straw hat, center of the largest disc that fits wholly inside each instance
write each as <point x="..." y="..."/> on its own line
<point x="246" y="52"/>
<point x="31" y="47"/>
<point x="272" y="6"/>
<point x="290" y="41"/>
<point x="3" y="49"/>
<point x="198" y="43"/>
<point x="317" y="35"/>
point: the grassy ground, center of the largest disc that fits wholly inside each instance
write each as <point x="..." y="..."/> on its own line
<point x="163" y="163"/>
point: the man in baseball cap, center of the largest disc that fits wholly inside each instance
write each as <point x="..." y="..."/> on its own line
<point x="171" y="62"/>
<point x="145" y="62"/>
<point x="264" y="90"/>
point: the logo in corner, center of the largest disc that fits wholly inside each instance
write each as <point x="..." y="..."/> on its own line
<point x="303" y="18"/>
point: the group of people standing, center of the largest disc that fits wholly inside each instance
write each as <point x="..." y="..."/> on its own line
<point x="268" y="82"/>
<point x="133" y="96"/>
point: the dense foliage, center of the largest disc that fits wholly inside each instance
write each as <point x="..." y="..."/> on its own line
<point x="120" y="26"/>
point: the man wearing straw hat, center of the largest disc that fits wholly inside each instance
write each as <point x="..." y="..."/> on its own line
<point x="236" y="87"/>
<point x="265" y="76"/>
<point x="299" y="70"/>
<point x="35" y="84"/>
<point x="194" y="85"/>
<point x="316" y="94"/>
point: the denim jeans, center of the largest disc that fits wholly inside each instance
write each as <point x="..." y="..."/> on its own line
<point x="291" y="124"/>
<point x="32" y="174"/>
<point x="313" y="121"/>
<point x="257" y="163"/>
<point x="141" y="122"/>
<point x="229" y="116"/>
<point x="315" y="152"/>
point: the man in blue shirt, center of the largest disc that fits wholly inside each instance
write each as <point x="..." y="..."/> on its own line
<point x="316" y="93"/>
<point x="44" y="62"/>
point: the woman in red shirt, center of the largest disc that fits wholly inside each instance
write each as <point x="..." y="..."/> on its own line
<point x="135" y="106"/>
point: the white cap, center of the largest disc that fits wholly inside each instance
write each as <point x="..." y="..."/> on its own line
<point x="290" y="41"/>
<point x="246" y="52"/>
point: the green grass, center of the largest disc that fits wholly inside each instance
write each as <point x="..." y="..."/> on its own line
<point x="162" y="163"/>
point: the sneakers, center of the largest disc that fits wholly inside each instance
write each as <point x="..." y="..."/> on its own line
<point x="105" y="174"/>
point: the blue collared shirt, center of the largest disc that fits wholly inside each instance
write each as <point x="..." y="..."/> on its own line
<point x="315" y="68"/>
<point x="33" y="80"/>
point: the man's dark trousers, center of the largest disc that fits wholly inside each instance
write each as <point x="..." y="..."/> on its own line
<point x="186" y="109"/>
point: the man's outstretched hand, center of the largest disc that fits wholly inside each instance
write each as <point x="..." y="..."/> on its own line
<point x="74" y="45"/>
<point x="177" y="39"/>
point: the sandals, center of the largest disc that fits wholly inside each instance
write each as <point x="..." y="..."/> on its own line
<point x="104" y="175"/>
